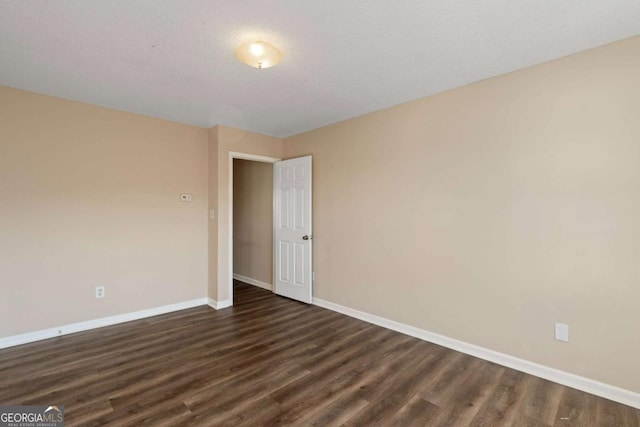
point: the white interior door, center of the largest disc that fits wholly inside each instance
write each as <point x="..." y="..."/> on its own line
<point x="292" y="237"/>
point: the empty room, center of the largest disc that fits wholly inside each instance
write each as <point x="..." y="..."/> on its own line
<point x="292" y="212"/>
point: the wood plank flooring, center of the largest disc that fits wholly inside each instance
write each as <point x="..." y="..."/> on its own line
<point x="272" y="361"/>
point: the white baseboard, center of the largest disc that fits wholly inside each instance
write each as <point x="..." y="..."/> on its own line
<point x="253" y="282"/>
<point x="97" y="323"/>
<point x="597" y="388"/>
<point x="219" y="305"/>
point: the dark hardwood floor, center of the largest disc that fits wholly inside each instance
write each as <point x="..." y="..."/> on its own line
<point x="272" y="361"/>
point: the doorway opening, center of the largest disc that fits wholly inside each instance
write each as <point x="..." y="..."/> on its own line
<point x="251" y="220"/>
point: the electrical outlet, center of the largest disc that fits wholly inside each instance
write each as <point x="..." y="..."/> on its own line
<point x="99" y="291"/>
<point x="562" y="332"/>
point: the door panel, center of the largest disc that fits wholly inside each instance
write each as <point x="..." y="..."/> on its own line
<point x="284" y="207"/>
<point x="299" y="213"/>
<point x="299" y="263"/>
<point x="292" y="235"/>
<point x="284" y="264"/>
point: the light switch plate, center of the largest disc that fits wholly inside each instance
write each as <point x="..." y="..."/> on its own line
<point x="562" y="332"/>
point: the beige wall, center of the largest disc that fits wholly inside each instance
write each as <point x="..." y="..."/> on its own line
<point x="225" y="140"/>
<point x="489" y="212"/>
<point x="90" y="197"/>
<point x="212" y="285"/>
<point x="253" y="219"/>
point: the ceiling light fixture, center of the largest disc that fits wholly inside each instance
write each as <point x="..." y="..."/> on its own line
<point x="259" y="54"/>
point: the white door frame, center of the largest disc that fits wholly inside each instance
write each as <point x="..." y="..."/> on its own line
<point x="255" y="158"/>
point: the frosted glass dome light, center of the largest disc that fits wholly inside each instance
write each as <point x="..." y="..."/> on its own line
<point x="259" y="54"/>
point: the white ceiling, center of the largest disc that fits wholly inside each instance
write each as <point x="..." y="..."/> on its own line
<point x="174" y="59"/>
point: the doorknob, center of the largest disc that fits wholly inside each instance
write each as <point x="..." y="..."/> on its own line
<point x="307" y="237"/>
